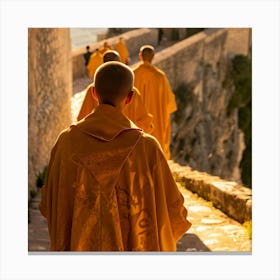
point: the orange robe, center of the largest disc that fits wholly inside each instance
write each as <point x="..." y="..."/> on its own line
<point x="89" y="103"/>
<point x="121" y="48"/>
<point x="95" y="60"/>
<point x="109" y="188"/>
<point x="158" y="99"/>
<point x="105" y="49"/>
<point x="135" y="110"/>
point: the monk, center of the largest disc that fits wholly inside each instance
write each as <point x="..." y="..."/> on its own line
<point x="135" y="110"/>
<point x="108" y="184"/>
<point x="94" y="62"/>
<point x="157" y="95"/>
<point x="121" y="48"/>
<point x="106" y="47"/>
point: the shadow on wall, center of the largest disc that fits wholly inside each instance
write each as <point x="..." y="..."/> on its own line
<point x="191" y="243"/>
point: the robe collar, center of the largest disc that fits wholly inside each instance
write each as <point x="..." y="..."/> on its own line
<point x="106" y="123"/>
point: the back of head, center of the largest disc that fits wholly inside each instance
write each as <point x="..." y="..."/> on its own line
<point x="113" y="81"/>
<point x="111" y="56"/>
<point x="147" y="53"/>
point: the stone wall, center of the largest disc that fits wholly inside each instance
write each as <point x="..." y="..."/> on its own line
<point x="133" y="39"/>
<point x="49" y="93"/>
<point x="205" y="137"/>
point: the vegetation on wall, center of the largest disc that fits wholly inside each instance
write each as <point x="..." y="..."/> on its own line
<point x="241" y="76"/>
<point x="41" y="177"/>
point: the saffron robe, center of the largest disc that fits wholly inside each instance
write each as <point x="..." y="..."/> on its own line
<point x="158" y="99"/>
<point x="135" y="110"/>
<point x="109" y="188"/>
<point x="121" y="48"/>
<point x="105" y="48"/>
<point x="95" y="60"/>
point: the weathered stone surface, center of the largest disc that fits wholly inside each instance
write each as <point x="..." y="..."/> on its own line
<point x="232" y="198"/>
<point x="49" y="93"/>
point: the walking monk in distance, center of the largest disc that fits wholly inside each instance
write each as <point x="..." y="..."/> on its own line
<point x="135" y="110"/>
<point x="121" y="48"/>
<point x="108" y="184"/>
<point x="157" y="95"/>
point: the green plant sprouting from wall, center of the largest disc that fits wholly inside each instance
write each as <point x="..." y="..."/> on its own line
<point x="40" y="181"/>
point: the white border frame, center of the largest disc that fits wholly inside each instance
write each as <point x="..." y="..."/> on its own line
<point x="17" y="16"/>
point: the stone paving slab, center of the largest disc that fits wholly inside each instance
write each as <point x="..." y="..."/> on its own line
<point x="216" y="230"/>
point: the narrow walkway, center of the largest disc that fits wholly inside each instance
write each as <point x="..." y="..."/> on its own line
<point x="211" y="229"/>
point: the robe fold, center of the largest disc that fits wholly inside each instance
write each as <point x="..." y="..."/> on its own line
<point x="158" y="99"/>
<point x="135" y="110"/>
<point x="109" y="188"/>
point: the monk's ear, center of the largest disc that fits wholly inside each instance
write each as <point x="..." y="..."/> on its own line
<point x="93" y="93"/>
<point x="129" y="97"/>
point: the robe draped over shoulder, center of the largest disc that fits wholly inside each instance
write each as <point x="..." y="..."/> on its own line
<point x="89" y="103"/>
<point x="158" y="99"/>
<point x="109" y="188"/>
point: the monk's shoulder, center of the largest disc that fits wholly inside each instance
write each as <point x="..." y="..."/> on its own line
<point x="137" y="67"/>
<point x="158" y="72"/>
<point x="150" y="141"/>
<point x="65" y="135"/>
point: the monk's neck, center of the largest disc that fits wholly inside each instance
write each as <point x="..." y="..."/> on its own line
<point x="116" y="106"/>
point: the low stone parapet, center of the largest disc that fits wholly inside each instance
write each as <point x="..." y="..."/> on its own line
<point x="232" y="198"/>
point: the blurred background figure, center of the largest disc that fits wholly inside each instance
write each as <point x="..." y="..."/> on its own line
<point x="87" y="55"/>
<point x="106" y="47"/>
<point x="121" y="48"/>
<point x="95" y="60"/>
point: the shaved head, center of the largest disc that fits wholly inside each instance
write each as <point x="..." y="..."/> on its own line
<point x="111" y="56"/>
<point x="147" y="53"/>
<point x="113" y="82"/>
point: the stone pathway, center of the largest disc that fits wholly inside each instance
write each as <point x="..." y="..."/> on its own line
<point x="211" y="229"/>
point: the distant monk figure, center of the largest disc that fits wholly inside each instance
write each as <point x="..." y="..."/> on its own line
<point x="87" y="55"/>
<point x="95" y="61"/>
<point x="106" y="47"/>
<point x="121" y="48"/>
<point x="157" y="95"/>
<point x="108" y="185"/>
<point x="135" y="110"/>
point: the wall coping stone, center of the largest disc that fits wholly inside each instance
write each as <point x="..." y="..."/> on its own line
<point x="233" y="199"/>
<point x="112" y="40"/>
